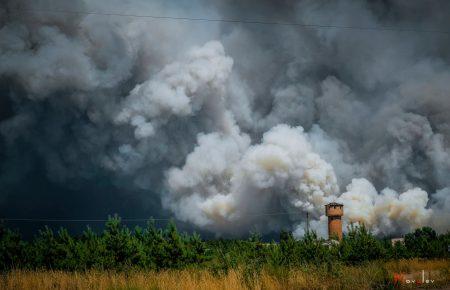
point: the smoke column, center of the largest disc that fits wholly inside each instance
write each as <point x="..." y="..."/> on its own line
<point x="223" y="125"/>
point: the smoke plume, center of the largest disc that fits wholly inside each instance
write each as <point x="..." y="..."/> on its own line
<point x="229" y="127"/>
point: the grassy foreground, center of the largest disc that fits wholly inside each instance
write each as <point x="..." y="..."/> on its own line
<point x="373" y="275"/>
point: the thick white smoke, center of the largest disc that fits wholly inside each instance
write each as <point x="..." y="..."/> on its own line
<point x="180" y="89"/>
<point x="233" y="127"/>
<point x="386" y="212"/>
<point x="226" y="182"/>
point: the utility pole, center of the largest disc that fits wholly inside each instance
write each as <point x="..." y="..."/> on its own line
<point x="307" y="223"/>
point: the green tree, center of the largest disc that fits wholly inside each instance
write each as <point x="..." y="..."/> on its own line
<point x="12" y="249"/>
<point x="312" y="249"/>
<point x="425" y="243"/>
<point x="360" y="245"/>
<point x="122" y="248"/>
<point x="288" y="249"/>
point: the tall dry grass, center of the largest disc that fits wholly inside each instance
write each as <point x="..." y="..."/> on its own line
<point x="369" y="276"/>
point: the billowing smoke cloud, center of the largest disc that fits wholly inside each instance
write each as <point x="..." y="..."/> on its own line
<point x="387" y="211"/>
<point x="180" y="89"/>
<point x="226" y="182"/>
<point x="230" y="127"/>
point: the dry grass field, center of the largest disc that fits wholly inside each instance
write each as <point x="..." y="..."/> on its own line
<point x="370" y="276"/>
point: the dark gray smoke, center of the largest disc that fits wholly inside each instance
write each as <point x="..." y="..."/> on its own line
<point x="217" y="123"/>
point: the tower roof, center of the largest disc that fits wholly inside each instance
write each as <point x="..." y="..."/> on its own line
<point x="334" y="204"/>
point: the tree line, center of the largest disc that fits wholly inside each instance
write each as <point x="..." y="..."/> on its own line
<point x="121" y="248"/>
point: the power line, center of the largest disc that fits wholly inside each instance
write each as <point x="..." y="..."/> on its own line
<point x="8" y="219"/>
<point x="73" y="220"/>
<point x="241" y="21"/>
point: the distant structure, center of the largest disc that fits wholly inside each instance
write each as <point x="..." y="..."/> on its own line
<point x="397" y="240"/>
<point x="334" y="211"/>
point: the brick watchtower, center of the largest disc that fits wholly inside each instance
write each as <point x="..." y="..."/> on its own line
<point x="334" y="212"/>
